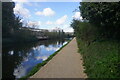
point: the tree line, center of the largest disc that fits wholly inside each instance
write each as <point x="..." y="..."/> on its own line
<point x="13" y="29"/>
<point x="101" y="20"/>
<point x="98" y="35"/>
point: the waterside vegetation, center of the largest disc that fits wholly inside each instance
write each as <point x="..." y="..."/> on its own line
<point x="14" y="30"/>
<point x="98" y="38"/>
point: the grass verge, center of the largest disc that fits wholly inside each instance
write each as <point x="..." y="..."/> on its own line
<point x="101" y="58"/>
<point x="38" y="66"/>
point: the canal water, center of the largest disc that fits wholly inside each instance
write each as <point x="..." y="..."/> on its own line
<point x="19" y="59"/>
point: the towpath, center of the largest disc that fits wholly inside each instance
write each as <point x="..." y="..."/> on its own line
<point x="66" y="64"/>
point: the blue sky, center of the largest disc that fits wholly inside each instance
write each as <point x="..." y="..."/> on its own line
<point x="48" y="15"/>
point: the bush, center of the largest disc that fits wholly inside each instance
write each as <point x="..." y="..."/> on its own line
<point x="100" y="59"/>
<point x="85" y="31"/>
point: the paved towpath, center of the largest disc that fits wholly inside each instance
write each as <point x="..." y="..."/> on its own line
<point x="66" y="64"/>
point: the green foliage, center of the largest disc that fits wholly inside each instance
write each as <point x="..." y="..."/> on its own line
<point x="55" y="34"/>
<point x="106" y="16"/>
<point x="24" y="36"/>
<point x="100" y="59"/>
<point x="98" y="38"/>
<point x="85" y="31"/>
<point x="8" y="18"/>
<point x="11" y="25"/>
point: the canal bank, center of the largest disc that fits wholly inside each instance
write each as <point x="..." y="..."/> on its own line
<point x="66" y="64"/>
<point x="40" y="65"/>
<point x="21" y="58"/>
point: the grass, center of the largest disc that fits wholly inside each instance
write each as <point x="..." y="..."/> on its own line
<point x="100" y="58"/>
<point x="38" y="66"/>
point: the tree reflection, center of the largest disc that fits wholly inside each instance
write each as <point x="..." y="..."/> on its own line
<point x="16" y="54"/>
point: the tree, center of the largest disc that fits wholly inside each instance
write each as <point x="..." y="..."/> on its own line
<point x="106" y="16"/>
<point x="8" y="18"/>
<point x="11" y="23"/>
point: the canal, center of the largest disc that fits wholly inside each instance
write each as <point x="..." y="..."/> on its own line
<point x="19" y="59"/>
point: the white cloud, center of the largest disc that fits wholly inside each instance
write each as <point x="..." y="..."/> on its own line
<point x="46" y="12"/>
<point x="42" y="57"/>
<point x="20" y="71"/>
<point x="77" y="16"/>
<point x="61" y="20"/>
<point x="64" y="27"/>
<point x="20" y="10"/>
<point x="11" y="52"/>
<point x="67" y="28"/>
<point x="49" y="22"/>
<point x="52" y="48"/>
<point x="47" y="0"/>
<point x="20" y="0"/>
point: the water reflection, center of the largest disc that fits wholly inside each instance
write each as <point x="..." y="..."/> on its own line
<point x="19" y="59"/>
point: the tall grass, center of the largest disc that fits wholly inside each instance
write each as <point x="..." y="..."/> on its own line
<point x="100" y="59"/>
<point x="101" y="56"/>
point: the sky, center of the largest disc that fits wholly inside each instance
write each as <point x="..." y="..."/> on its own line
<point x="48" y="15"/>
